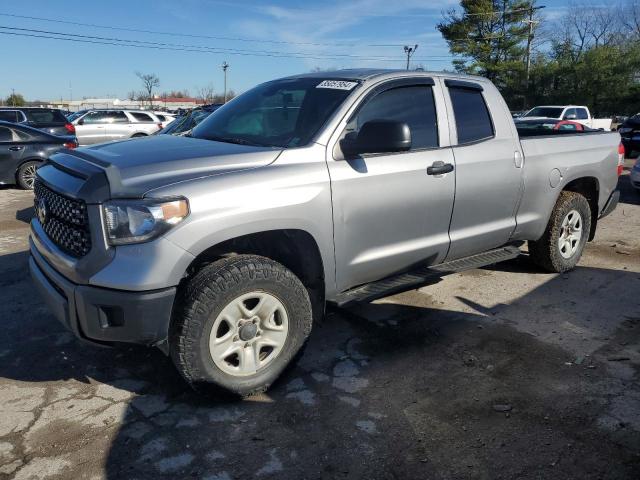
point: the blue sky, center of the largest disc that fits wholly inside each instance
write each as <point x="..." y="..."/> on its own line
<point x="355" y="33"/>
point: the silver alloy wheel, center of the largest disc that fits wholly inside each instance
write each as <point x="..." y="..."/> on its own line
<point x="570" y="234"/>
<point x="29" y="175"/>
<point x="249" y="333"/>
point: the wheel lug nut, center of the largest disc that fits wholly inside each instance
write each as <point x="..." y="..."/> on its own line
<point x="236" y="338"/>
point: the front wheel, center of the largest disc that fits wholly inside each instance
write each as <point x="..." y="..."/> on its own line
<point x="561" y="246"/>
<point x="238" y="324"/>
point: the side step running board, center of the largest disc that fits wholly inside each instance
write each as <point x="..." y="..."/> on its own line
<point x="424" y="275"/>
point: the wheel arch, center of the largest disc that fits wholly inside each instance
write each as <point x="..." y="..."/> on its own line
<point x="22" y="161"/>
<point x="296" y="249"/>
<point x="589" y="187"/>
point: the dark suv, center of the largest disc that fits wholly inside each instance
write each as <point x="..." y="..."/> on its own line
<point x="51" y="120"/>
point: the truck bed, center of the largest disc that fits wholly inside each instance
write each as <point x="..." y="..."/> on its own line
<point x="558" y="158"/>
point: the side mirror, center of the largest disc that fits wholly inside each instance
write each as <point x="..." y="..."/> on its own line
<point x="377" y="136"/>
<point x="572" y="116"/>
<point x="81" y="121"/>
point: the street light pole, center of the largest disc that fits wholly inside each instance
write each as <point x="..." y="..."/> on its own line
<point x="531" y="23"/>
<point x="225" y="66"/>
<point x="410" y="51"/>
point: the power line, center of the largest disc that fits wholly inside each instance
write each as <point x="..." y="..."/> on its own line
<point x="193" y="35"/>
<point x="198" y="47"/>
<point x="34" y="33"/>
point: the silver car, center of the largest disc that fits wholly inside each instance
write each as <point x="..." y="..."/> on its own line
<point x="98" y="126"/>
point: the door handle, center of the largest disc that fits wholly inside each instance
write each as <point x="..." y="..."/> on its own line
<point x="17" y="148"/>
<point x="439" y="168"/>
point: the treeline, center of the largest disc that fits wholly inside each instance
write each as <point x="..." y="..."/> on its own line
<point x="589" y="55"/>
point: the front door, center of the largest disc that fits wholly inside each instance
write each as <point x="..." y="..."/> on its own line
<point x="389" y="214"/>
<point x="91" y="128"/>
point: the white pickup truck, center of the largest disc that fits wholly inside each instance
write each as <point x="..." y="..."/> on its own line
<point x="576" y="113"/>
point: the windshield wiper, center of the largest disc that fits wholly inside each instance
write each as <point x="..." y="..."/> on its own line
<point x="236" y="140"/>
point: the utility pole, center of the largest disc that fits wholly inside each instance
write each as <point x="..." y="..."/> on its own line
<point x="225" y="66"/>
<point x="410" y="51"/>
<point x="531" y="23"/>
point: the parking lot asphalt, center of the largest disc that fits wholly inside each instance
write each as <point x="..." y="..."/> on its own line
<point x="504" y="372"/>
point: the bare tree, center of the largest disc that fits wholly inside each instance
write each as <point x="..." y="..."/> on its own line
<point x="206" y="93"/>
<point x="132" y="95"/>
<point x="629" y="16"/>
<point x="149" y="82"/>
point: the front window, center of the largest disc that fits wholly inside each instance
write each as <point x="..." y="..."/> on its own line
<point x="283" y="113"/>
<point x="547" y="112"/>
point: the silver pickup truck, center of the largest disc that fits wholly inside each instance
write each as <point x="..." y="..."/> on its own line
<point x="222" y="248"/>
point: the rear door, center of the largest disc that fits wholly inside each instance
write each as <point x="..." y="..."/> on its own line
<point x="489" y="169"/>
<point x="92" y="127"/>
<point x="583" y="117"/>
<point x="389" y="214"/>
<point x="118" y="126"/>
<point x="11" y="151"/>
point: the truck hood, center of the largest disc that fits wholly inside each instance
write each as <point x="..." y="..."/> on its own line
<point x="133" y="167"/>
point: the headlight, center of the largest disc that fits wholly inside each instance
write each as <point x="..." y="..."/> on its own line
<point x="136" y="221"/>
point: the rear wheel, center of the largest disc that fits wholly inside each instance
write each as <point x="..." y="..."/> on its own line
<point x="26" y="175"/>
<point x="138" y="135"/>
<point x="561" y="246"/>
<point x="240" y="321"/>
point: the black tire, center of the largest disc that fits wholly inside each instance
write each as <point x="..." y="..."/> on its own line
<point x="26" y="174"/>
<point x="546" y="252"/>
<point x="138" y="135"/>
<point x="202" y="300"/>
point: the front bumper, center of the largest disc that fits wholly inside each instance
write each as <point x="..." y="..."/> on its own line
<point x="103" y="315"/>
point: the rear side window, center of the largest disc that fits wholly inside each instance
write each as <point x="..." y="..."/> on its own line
<point x="141" y="117"/>
<point x="473" y="121"/>
<point x="45" y="116"/>
<point x="581" y="114"/>
<point x="9" y="116"/>
<point x="118" y="117"/>
<point x="162" y="118"/>
<point x="5" y="135"/>
<point x="412" y="105"/>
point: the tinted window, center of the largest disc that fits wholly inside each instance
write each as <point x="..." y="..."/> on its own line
<point x="118" y="117"/>
<point x="162" y="118"/>
<point x="45" y="116"/>
<point x="567" y="126"/>
<point x="473" y="121"/>
<point x="282" y="113"/>
<point x="141" y="117"/>
<point x="100" y="116"/>
<point x="568" y="113"/>
<point x="581" y="114"/>
<point x="5" y="135"/>
<point x="411" y="105"/>
<point x="9" y="115"/>
<point x="21" y="136"/>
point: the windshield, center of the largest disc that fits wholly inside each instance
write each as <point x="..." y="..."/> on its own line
<point x="284" y="113"/>
<point x="71" y="117"/>
<point x="547" y="112"/>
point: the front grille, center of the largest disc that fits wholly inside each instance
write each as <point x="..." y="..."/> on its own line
<point x="64" y="220"/>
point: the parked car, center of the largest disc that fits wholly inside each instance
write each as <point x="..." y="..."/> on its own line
<point x="165" y="118"/>
<point x="543" y="125"/>
<point x="185" y="123"/>
<point x="577" y="113"/>
<point x="223" y="247"/>
<point x="635" y="174"/>
<point x="97" y="126"/>
<point x="630" y="133"/>
<point x="73" y="115"/>
<point x="23" y="149"/>
<point x="51" y="120"/>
